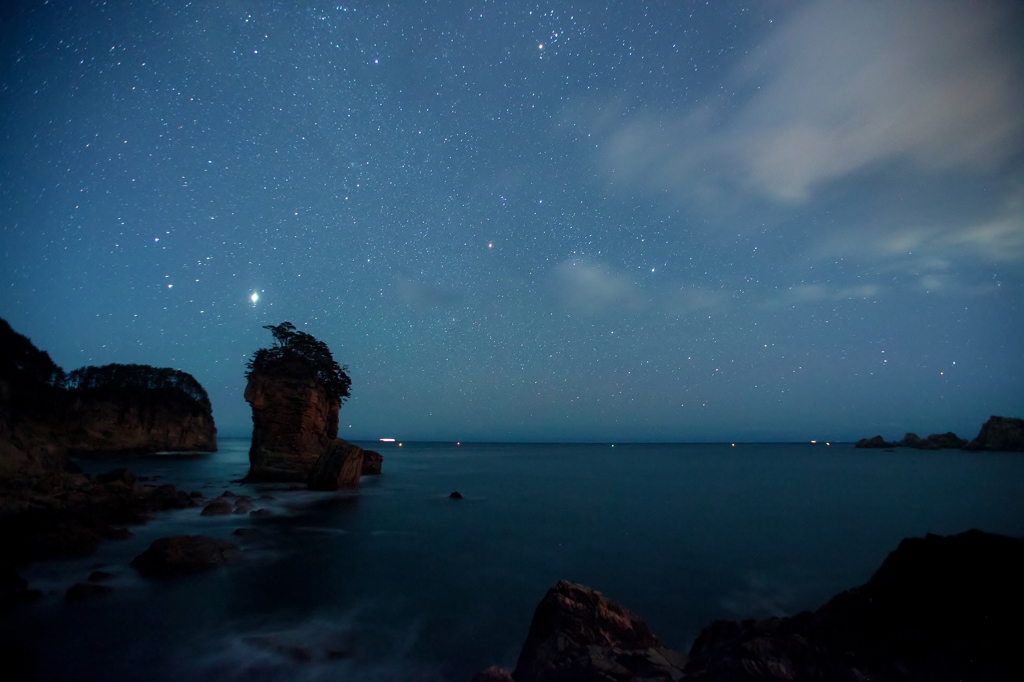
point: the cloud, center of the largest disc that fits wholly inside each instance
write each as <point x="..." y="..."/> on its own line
<point x="842" y="88"/>
<point x="420" y="295"/>
<point x="592" y="288"/>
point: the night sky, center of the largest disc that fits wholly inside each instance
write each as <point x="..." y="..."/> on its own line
<point x="646" y="221"/>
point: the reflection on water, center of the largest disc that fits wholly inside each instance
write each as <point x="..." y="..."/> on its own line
<point x="397" y="581"/>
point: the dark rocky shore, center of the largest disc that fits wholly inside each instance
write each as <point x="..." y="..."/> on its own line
<point x="997" y="434"/>
<point x="938" y="608"/>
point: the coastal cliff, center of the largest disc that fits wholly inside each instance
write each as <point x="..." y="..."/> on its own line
<point x="46" y="414"/>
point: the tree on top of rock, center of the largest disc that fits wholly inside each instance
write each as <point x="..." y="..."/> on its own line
<point x="294" y="349"/>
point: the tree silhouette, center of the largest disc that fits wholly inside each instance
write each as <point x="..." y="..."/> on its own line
<point x="135" y="378"/>
<point x="301" y="352"/>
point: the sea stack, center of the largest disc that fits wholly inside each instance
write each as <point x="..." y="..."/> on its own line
<point x="296" y="389"/>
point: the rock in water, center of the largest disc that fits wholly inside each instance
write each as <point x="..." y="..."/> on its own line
<point x="875" y="442"/>
<point x="372" y="461"/>
<point x="293" y="418"/>
<point x="1000" y="433"/>
<point x="182" y="554"/>
<point x="578" y="634"/>
<point x="339" y="467"/>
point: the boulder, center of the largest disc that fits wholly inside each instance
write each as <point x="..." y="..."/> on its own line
<point x="338" y="467"/>
<point x="218" y="506"/>
<point x="455" y="495"/>
<point x="578" y="634"/>
<point x="875" y="442"/>
<point x="183" y="554"/>
<point x="1001" y="434"/>
<point x="372" y="461"/>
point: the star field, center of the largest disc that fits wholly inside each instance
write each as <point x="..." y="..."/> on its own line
<point x="521" y="221"/>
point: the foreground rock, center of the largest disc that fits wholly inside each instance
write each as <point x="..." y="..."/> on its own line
<point x="938" y="609"/>
<point x="295" y="389"/>
<point x="578" y="634"/>
<point x="1000" y="433"/>
<point x="182" y="554"/>
<point x="64" y="514"/>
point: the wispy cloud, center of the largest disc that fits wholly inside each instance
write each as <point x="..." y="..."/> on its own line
<point x="843" y="87"/>
<point x="421" y="295"/>
<point x="594" y="288"/>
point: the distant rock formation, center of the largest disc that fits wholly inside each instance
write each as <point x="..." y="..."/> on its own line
<point x="295" y="389"/>
<point x="939" y="608"/>
<point x="1000" y="433"/>
<point x="935" y="441"/>
<point x="875" y="442"/>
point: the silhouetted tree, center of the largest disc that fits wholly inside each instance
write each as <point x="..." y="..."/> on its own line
<point x="25" y="366"/>
<point x="136" y="378"/>
<point x="299" y="351"/>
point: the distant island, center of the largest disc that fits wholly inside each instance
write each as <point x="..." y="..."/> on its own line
<point x="998" y="434"/>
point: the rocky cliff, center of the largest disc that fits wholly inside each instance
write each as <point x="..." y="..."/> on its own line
<point x="46" y="414"/>
<point x="295" y="390"/>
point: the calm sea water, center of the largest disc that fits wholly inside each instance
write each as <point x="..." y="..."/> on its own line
<point x="396" y="581"/>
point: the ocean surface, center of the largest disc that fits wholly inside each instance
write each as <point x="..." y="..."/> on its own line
<point x="395" y="581"/>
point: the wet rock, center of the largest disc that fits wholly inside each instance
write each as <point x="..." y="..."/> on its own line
<point x="85" y="591"/>
<point x="493" y="674"/>
<point x="182" y="554"/>
<point x="578" y="634"/>
<point x="99" y="576"/>
<point x="261" y="513"/>
<point x="455" y="495"/>
<point x="338" y="467"/>
<point x="1000" y="434"/>
<point x="242" y="507"/>
<point x="218" y="506"/>
<point x="372" y="462"/>
<point x="247" y="532"/>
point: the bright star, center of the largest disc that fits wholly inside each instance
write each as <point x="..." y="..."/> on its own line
<point x="255" y="297"/>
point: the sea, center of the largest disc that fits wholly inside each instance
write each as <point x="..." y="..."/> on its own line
<point x="397" y="581"/>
